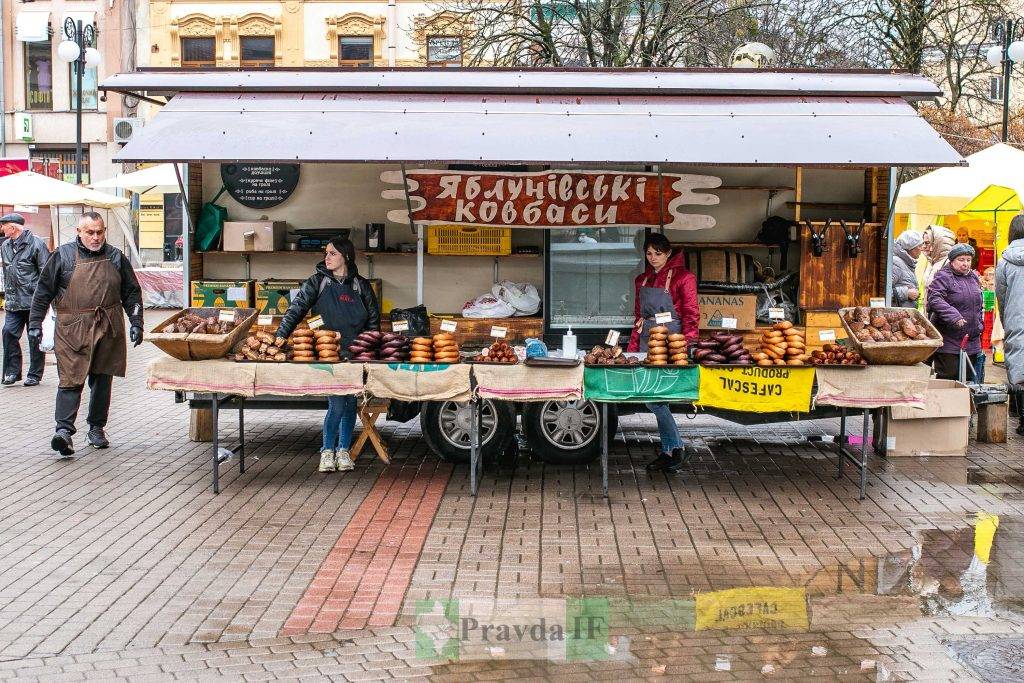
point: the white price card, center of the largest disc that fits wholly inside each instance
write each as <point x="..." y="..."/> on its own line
<point x="265" y="320"/>
<point x="826" y="335"/>
<point x="776" y="313"/>
<point x="729" y="323"/>
<point x="400" y="326"/>
<point x="612" y="339"/>
<point x="226" y="316"/>
<point x="499" y="332"/>
<point x="876" y="302"/>
<point x="448" y="325"/>
<point x="662" y="318"/>
<point x="237" y="294"/>
<point x="316" y="322"/>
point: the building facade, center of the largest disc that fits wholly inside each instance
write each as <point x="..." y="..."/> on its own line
<point x="291" y="33"/>
<point x="39" y="88"/>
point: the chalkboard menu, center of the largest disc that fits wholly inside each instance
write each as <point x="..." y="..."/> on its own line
<point x="260" y="186"/>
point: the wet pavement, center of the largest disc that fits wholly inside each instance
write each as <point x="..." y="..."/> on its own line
<point x="752" y="563"/>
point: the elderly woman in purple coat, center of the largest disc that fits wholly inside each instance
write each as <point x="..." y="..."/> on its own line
<point x="955" y="308"/>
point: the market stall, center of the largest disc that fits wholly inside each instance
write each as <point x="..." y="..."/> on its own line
<point x="551" y="182"/>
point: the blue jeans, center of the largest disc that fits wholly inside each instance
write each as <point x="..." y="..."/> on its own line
<point x="978" y="360"/>
<point x="340" y="422"/>
<point x="667" y="428"/>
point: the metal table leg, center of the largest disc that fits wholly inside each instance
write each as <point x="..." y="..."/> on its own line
<point x="864" y="457"/>
<point x="474" y="445"/>
<point x="842" y="440"/>
<point x="604" y="448"/>
<point x="241" y="435"/>
<point x="215" y="419"/>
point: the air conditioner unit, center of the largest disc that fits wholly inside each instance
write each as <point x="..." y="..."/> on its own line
<point x="125" y="129"/>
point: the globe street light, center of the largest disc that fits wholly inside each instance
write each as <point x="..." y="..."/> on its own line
<point x="79" y="50"/>
<point x="1004" y="56"/>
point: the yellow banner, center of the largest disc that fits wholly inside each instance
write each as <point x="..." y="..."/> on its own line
<point x="760" y="607"/>
<point x="757" y="389"/>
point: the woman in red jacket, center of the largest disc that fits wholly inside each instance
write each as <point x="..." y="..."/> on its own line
<point x="665" y="286"/>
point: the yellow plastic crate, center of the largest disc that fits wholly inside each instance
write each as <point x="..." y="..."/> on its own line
<point x="461" y="240"/>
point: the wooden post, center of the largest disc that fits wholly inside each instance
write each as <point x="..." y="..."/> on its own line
<point x="799" y="188"/>
<point x="992" y="418"/>
<point x="200" y="425"/>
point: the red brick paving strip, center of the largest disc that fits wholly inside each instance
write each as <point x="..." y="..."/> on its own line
<point x="363" y="579"/>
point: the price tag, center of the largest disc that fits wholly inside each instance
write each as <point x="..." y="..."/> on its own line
<point x="292" y="293"/>
<point x="316" y="322"/>
<point x="663" y="318"/>
<point x="400" y="326"/>
<point x="448" y="325"/>
<point x="826" y="335"/>
<point x="237" y="294"/>
<point x="876" y="302"/>
<point x="776" y="314"/>
<point x="729" y="323"/>
<point x="265" y="320"/>
<point x="612" y="339"/>
<point x="226" y="316"/>
<point x="499" y="332"/>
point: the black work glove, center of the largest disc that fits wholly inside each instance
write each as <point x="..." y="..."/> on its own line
<point x="135" y="334"/>
<point x="35" y="334"/>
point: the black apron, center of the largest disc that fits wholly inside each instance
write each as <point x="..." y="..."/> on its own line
<point x="342" y="310"/>
<point x="654" y="300"/>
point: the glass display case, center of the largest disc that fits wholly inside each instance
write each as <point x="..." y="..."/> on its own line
<point x="590" y="277"/>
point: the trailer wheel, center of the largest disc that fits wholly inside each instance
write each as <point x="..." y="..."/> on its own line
<point x="566" y="432"/>
<point x="445" y="427"/>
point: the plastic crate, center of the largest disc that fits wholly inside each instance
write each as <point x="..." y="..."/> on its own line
<point x="460" y="240"/>
<point x="988" y="298"/>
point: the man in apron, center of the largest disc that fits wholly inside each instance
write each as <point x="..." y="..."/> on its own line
<point x="89" y="283"/>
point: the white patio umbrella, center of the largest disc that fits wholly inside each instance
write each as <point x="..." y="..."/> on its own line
<point x="159" y="179"/>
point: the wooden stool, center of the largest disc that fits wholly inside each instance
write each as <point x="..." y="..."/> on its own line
<point x="368" y="414"/>
<point x="992" y="419"/>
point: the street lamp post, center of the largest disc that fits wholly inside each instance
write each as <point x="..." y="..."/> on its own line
<point x="79" y="49"/>
<point x="1004" y="56"/>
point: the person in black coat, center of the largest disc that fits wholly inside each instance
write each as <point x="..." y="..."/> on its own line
<point x="347" y="305"/>
<point x="23" y="255"/>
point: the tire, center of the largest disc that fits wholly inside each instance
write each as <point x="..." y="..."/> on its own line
<point x="566" y="432"/>
<point x="445" y="426"/>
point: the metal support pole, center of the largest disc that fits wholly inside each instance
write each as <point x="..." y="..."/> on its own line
<point x="842" y="440"/>
<point x="241" y="435"/>
<point x="864" y="457"/>
<point x="1007" y="74"/>
<point x="604" y="448"/>
<point x="79" y="68"/>
<point x="215" y="419"/>
<point x="474" y="446"/>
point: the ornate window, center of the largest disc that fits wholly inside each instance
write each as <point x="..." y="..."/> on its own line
<point x="347" y="37"/>
<point x="441" y="39"/>
<point x="257" y="39"/>
<point x="197" y="53"/>
<point x="195" y="41"/>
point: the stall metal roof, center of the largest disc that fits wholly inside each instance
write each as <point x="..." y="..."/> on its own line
<point x="383" y="126"/>
<point x="755" y="82"/>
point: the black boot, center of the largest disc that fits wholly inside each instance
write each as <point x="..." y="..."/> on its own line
<point x="96" y="438"/>
<point x="659" y="462"/>
<point x="61" y="442"/>
<point x="676" y="460"/>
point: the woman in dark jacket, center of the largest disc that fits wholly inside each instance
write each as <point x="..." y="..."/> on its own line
<point x="665" y="286"/>
<point x="347" y="305"/>
<point x="955" y="308"/>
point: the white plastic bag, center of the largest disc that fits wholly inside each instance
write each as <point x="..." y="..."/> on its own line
<point x="522" y="296"/>
<point x="49" y="327"/>
<point x="487" y="306"/>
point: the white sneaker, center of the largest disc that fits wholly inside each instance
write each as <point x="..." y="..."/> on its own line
<point x="327" y="460"/>
<point x="343" y="461"/>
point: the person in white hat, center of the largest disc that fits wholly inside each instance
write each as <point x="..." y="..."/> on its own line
<point x="905" y="252"/>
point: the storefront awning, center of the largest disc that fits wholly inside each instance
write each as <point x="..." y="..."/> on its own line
<point x="32" y="26"/>
<point x="468" y="128"/>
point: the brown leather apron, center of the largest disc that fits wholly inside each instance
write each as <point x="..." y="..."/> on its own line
<point x="90" y="325"/>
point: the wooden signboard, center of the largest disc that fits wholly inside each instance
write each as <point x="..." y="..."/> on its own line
<point x="260" y="186"/>
<point x="551" y="199"/>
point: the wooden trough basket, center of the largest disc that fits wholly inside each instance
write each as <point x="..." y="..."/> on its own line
<point x="191" y="346"/>
<point x="910" y="352"/>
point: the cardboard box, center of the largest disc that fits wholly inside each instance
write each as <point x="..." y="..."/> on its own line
<point x="942" y="428"/>
<point x="254" y="235"/>
<point x="222" y="293"/>
<point x="274" y="296"/>
<point x="715" y="307"/>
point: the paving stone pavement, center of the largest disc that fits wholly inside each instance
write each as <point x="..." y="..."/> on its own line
<point x="123" y="564"/>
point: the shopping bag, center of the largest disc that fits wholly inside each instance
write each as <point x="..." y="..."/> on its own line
<point x="49" y="329"/>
